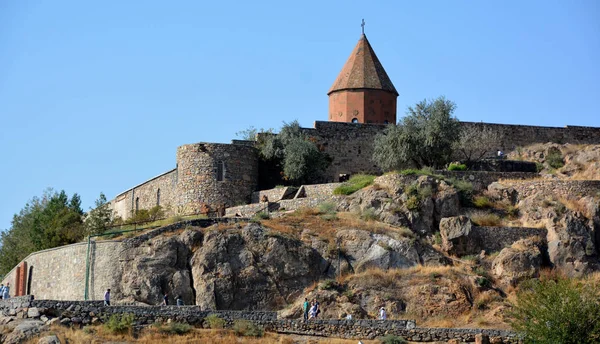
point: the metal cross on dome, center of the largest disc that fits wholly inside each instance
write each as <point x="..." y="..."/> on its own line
<point x="363" y="26"/>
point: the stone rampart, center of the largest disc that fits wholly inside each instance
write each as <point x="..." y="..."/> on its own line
<point x="559" y="188"/>
<point x="160" y="190"/>
<point x="250" y="210"/>
<point x="85" y="312"/>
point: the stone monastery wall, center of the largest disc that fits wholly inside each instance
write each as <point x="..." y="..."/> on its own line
<point x="160" y="190"/>
<point x="350" y="145"/>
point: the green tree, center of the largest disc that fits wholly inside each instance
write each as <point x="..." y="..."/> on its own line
<point x="99" y="218"/>
<point x="558" y="310"/>
<point x="50" y="221"/>
<point x="424" y="137"/>
<point x="300" y="159"/>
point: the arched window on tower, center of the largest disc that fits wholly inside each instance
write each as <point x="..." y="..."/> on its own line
<point x="137" y="204"/>
<point x="158" y="197"/>
<point x="355" y="120"/>
<point x="220" y="171"/>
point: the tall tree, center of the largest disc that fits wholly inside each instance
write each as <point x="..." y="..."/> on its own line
<point x="99" y="218"/>
<point x="475" y="143"/>
<point x="424" y="137"/>
<point x="300" y="158"/>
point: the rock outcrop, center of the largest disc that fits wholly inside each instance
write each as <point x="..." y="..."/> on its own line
<point x="455" y="232"/>
<point x="519" y="262"/>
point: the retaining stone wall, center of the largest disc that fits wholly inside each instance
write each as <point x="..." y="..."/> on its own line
<point x="561" y="188"/>
<point x="86" y="312"/>
<point x="493" y="239"/>
<point x="317" y="190"/>
<point x="481" y="179"/>
<point x="274" y="195"/>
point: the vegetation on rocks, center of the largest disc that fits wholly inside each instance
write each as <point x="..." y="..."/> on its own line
<point x="355" y="183"/>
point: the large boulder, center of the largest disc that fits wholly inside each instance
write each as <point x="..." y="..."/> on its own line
<point x="571" y="244"/>
<point x="156" y="267"/>
<point x="447" y="202"/>
<point x="519" y="262"/>
<point x="252" y="269"/>
<point x="455" y="232"/>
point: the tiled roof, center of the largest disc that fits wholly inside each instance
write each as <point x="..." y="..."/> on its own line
<point x="363" y="70"/>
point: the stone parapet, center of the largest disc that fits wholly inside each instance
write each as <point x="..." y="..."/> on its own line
<point x="560" y="188"/>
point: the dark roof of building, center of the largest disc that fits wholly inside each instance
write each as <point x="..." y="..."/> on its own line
<point x="363" y="70"/>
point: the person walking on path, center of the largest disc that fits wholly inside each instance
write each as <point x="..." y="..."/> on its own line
<point x="306" y="308"/>
<point x="107" y="297"/>
<point x="179" y="300"/>
<point x="166" y="300"/>
<point x="313" y="311"/>
<point x="382" y="314"/>
<point x="6" y="291"/>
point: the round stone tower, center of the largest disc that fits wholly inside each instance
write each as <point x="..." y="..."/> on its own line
<point x="363" y="92"/>
<point x="211" y="176"/>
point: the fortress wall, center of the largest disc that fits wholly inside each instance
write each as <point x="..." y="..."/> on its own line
<point x="59" y="273"/>
<point x="351" y="145"/>
<point x="199" y="166"/>
<point x="147" y="194"/>
<point x="274" y="195"/>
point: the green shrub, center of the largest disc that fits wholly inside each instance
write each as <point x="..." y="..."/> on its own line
<point x="457" y="167"/>
<point x="557" y="310"/>
<point x="425" y="192"/>
<point x="355" y="183"/>
<point x="214" y="322"/>
<point x="327" y="208"/>
<point x="555" y="159"/>
<point x="247" y="328"/>
<point x="174" y="328"/>
<point x="120" y="323"/>
<point x="512" y="211"/>
<point x="329" y="284"/>
<point x="483" y="282"/>
<point x="482" y="202"/>
<point x="437" y="238"/>
<point x="368" y="214"/>
<point x="392" y="339"/>
<point x="465" y="190"/>
<point x="539" y="167"/>
<point x="262" y="215"/>
<point x="412" y="203"/>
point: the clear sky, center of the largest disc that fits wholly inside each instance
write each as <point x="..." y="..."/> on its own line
<point x="96" y="96"/>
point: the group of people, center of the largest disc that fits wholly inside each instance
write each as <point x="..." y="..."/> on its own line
<point x="311" y="309"/>
<point x="165" y="302"/>
<point x="5" y="291"/>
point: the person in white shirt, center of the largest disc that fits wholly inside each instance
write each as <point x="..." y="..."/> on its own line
<point x="382" y="314"/>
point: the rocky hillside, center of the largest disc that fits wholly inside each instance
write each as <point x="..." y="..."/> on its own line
<point x="423" y="246"/>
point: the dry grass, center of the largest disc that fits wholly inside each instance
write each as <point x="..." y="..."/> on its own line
<point x="310" y="219"/>
<point x="576" y="205"/>
<point x="96" y="334"/>
<point x="486" y="219"/>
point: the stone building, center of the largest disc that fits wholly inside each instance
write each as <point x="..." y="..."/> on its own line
<point x="209" y="177"/>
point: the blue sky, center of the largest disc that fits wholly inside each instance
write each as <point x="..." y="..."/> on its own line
<point x="97" y="96"/>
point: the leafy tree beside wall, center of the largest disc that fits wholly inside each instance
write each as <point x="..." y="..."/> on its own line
<point x="99" y="218"/>
<point x="298" y="156"/>
<point x="45" y="222"/>
<point x="425" y="137"/>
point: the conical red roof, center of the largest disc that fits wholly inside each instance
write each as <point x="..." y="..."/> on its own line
<point x="363" y="70"/>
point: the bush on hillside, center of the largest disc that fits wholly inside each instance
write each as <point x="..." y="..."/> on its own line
<point x="120" y="323"/>
<point x="457" y="167"/>
<point x="214" y="322"/>
<point x="557" y="310"/>
<point x="247" y="328"/>
<point x="555" y="159"/>
<point x="355" y="183"/>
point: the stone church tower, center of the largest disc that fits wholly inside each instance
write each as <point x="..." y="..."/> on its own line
<point x="363" y="92"/>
